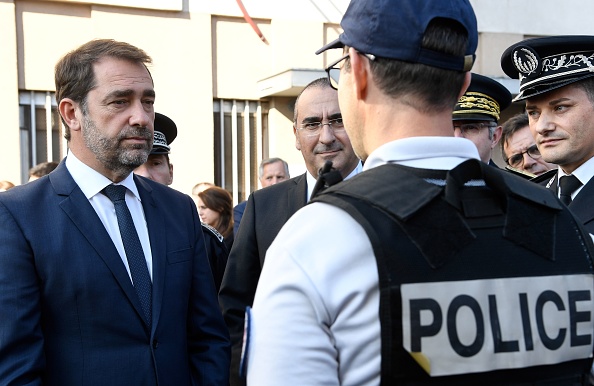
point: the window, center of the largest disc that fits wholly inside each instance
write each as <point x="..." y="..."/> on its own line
<point x="40" y="130"/>
<point x="240" y="138"/>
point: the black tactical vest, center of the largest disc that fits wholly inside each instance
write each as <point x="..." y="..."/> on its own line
<point x="488" y="280"/>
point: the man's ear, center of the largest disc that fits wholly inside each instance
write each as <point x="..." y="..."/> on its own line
<point x="360" y="71"/>
<point x="67" y="108"/>
<point x="297" y="142"/>
<point x="496" y="136"/>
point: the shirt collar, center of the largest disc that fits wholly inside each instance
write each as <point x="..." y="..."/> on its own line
<point x="90" y="181"/>
<point x="311" y="180"/>
<point x="439" y="153"/>
<point x="583" y="173"/>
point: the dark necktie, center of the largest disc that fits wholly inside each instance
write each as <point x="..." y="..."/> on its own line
<point x="568" y="185"/>
<point x="134" y="253"/>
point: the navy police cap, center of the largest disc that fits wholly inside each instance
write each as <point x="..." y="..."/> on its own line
<point x="165" y="133"/>
<point x="484" y="100"/>
<point x="394" y="29"/>
<point x="545" y="64"/>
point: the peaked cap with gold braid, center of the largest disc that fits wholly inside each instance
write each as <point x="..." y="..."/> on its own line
<point x="484" y="100"/>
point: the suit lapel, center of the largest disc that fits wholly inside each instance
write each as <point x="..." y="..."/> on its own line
<point x="297" y="195"/>
<point x="581" y="205"/>
<point x="77" y="207"/>
<point x="155" y="222"/>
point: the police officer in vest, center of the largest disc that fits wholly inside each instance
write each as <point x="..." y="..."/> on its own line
<point x="429" y="267"/>
<point x="476" y="114"/>
<point x="159" y="168"/>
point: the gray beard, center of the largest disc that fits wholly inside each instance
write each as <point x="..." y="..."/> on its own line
<point x="110" y="152"/>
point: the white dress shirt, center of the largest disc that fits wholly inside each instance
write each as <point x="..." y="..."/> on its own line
<point x="315" y="315"/>
<point x="92" y="183"/>
<point x="583" y="173"/>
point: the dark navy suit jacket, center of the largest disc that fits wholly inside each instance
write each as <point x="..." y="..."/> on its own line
<point x="237" y="215"/>
<point x="266" y="212"/>
<point x="69" y="314"/>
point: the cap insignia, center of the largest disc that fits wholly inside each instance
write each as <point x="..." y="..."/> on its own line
<point x="159" y="139"/>
<point x="576" y="60"/>
<point x="475" y="102"/>
<point x="527" y="61"/>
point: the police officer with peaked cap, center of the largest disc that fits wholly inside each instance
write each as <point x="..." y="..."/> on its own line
<point x="159" y="168"/>
<point x="557" y="82"/>
<point x="165" y="133"/>
<point x="476" y="114"/>
<point x="438" y="269"/>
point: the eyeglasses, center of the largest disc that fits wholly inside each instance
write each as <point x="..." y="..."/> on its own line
<point x="471" y="129"/>
<point x="517" y="160"/>
<point x="313" y="129"/>
<point x="333" y="70"/>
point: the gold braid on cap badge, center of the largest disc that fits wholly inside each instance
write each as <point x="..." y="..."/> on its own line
<point x="476" y="102"/>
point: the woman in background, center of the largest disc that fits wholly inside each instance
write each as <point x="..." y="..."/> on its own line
<point x="215" y="207"/>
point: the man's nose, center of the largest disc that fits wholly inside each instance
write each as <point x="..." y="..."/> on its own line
<point x="528" y="161"/>
<point x="139" y="116"/>
<point x="327" y="134"/>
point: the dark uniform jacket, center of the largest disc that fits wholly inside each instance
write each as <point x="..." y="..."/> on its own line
<point x="217" y="253"/>
<point x="582" y="205"/>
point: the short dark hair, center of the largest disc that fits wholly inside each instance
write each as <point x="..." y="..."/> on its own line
<point x="436" y="88"/>
<point x="512" y="125"/>
<point x="320" y="83"/>
<point x="74" y="73"/>
<point x="42" y="169"/>
<point x="588" y="86"/>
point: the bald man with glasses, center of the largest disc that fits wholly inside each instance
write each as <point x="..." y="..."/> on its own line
<point x="320" y="136"/>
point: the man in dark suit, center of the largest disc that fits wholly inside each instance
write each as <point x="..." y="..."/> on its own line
<point x="320" y="136"/>
<point x="557" y="83"/>
<point x="104" y="279"/>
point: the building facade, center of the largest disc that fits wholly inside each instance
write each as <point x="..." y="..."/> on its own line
<point x="227" y="72"/>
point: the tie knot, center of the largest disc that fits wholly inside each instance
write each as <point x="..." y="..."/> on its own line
<point x="569" y="184"/>
<point x="115" y="192"/>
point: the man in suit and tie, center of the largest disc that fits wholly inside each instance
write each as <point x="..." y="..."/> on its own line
<point x="557" y="83"/>
<point x="104" y="279"/>
<point x="320" y="136"/>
